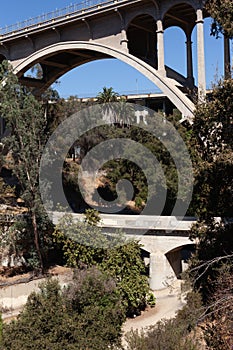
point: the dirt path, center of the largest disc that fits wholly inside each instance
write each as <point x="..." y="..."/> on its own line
<point x="168" y="301"/>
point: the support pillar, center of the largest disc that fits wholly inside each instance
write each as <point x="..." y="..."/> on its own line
<point x="201" y="56"/>
<point x="160" y="47"/>
<point x="160" y="271"/>
<point x="227" y="59"/>
<point x="189" y="57"/>
<point x="124" y="40"/>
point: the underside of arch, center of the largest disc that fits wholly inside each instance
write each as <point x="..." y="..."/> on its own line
<point x="179" y="256"/>
<point x="88" y="51"/>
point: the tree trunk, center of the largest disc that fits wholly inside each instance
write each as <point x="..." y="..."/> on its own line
<point x="36" y="240"/>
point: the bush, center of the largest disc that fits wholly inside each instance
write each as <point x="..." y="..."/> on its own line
<point x="87" y="315"/>
<point x="173" y="334"/>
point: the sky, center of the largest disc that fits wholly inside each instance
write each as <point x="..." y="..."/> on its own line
<point x="89" y="79"/>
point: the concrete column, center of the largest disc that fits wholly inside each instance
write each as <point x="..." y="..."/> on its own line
<point x="124" y="40"/>
<point x="227" y="59"/>
<point x="189" y="58"/>
<point x="160" y="47"/>
<point x="160" y="271"/>
<point x="201" y="56"/>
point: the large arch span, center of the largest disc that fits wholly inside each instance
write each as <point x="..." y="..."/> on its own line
<point x="166" y="85"/>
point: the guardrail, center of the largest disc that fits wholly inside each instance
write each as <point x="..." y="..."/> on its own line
<point x="53" y="16"/>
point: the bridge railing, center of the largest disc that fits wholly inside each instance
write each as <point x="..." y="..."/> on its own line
<point x="58" y="14"/>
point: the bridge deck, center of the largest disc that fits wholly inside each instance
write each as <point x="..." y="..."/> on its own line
<point x="55" y="17"/>
<point x="138" y="222"/>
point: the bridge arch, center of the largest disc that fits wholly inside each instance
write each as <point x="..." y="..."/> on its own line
<point x="142" y="39"/>
<point x="181" y="14"/>
<point x="167" y="266"/>
<point x="167" y="86"/>
<point x="178" y="258"/>
<point x="151" y="11"/>
<point x="168" y="5"/>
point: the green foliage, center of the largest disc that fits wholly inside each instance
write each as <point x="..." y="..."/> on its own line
<point x="124" y="263"/>
<point x="1" y="328"/>
<point x="222" y="13"/>
<point x="42" y="324"/>
<point x="212" y="126"/>
<point x="85" y="245"/>
<point x="25" y="118"/>
<point x="212" y="141"/>
<point x="107" y="95"/>
<point x="151" y="299"/>
<point x="212" y="266"/>
<point x="92" y="217"/>
<point x="215" y="243"/>
<point x="81" y="243"/>
<point x="165" y="335"/>
<point x="61" y="110"/>
<point x="88" y="315"/>
<point x="96" y="300"/>
<point x="7" y="193"/>
<point x="218" y="329"/>
<point x="140" y="168"/>
<point x="174" y="334"/>
<point x="213" y="188"/>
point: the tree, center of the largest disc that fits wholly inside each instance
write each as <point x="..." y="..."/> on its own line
<point x="174" y="334"/>
<point x="222" y="13"/>
<point x="212" y="265"/>
<point x="26" y="119"/>
<point x="124" y="263"/>
<point x="107" y="95"/>
<point x="1" y="327"/>
<point x="95" y="302"/>
<point x="218" y="329"/>
<point x="43" y="322"/>
<point x="92" y="217"/>
<point x="213" y="165"/>
<point x="82" y="243"/>
<point x="59" y="109"/>
<point x="87" y="315"/>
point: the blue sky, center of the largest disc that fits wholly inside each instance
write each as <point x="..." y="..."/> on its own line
<point x="90" y="78"/>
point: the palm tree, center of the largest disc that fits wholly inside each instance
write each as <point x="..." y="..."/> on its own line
<point x="107" y="95"/>
<point x="121" y="112"/>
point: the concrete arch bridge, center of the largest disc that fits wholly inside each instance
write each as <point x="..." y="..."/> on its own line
<point x="164" y="240"/>
<point x="129" y="30"/>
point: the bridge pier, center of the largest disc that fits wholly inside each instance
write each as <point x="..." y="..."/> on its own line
<point x="201" y="55"/>
<point x="160" y="48"/>
<point x="189" y="59"/>
<point x="161" y="271"/>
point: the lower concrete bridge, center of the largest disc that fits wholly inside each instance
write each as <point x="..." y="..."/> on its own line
<point x="166" y="246"/>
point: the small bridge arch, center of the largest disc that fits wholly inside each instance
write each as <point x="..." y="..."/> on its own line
<point x="178" y="258"/>
<point x="165" y="267"/>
